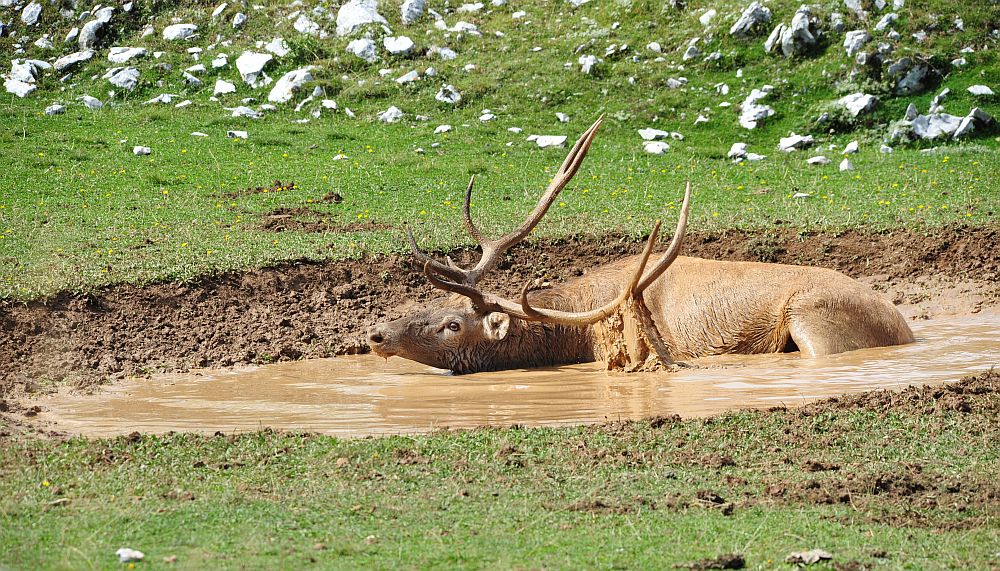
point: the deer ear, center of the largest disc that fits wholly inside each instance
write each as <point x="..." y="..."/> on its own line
<point x="495" y="325"/>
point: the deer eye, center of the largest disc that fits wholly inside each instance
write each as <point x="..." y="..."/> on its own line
<point x="454" y="326"/>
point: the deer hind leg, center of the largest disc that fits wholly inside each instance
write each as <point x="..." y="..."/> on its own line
<point x="828" y="326"/>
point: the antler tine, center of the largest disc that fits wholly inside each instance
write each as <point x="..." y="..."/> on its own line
<point x="675" y="245"/>
<point x="468" y="216"/>
<point x="594" y="315"/>
<point x="449" y="270"/>
<point x="492" y="249"/>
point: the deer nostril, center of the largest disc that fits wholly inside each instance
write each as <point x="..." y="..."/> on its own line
<point x="375" y="336"/>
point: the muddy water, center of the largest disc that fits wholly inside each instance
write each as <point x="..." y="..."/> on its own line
<point x="362" y="395"/>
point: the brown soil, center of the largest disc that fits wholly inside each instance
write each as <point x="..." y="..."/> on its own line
<point x="303" y="219"/>
<point x="305" y="310"/>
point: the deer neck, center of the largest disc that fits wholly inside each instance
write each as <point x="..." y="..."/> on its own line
<point x="534" y="344"/>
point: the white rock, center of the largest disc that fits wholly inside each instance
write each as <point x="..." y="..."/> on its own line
<point x="408" y="77"/>
<point x="55" y="109"/>
<point x="737" y="151"/>
<point x="858" y="103"/>
<point x="801" y="195"/>
<point x="752" y="111"/>
<point x="653" y="134"/>
<point x="244" y="111"/>
<point x="31" y="13"/>
<point x="487" y="116"/>
<point x="355" y="14"/>
<point x="655" y="147"/>
<point x="442" y="129"/>
<point x="179" y="31"/>
<point x="238" y="20"/>
<point x="886" y="21"/>
<point x="448" y="94"/>
<point x="124" y="78"/>
<point x="237" y="134"/>
<point x="707" y="17"/>
<point x="72" y="59"/>
<point x="546" y="141"/>
<point x="21" y="71"/>
<point x="126" y="554"/>
<point x="562" y="117"/>
<point x="752" y="16"/>
<point x="363" y="48"/>
<point x="123" y="54"/>
<point x="980" y="90"/>
<point x="587" y="63"/>
<point x="446" y="54"/>
<point x="885" y="149"/>
<point x="937" y="126"/>
<point x="654" y="47"/>
<point x="518" y="15"/>
<point x="411" y="10"/>
<point x="223" y="87"/>
<point x="88" y="34"/>
<point x="469" y="8"/>
<point x="138" y="150"/>
<point x="390" y="115"/>
<point x="515" y="130"/>
<point x="398" y="45"/>
<point x="846" y="165"/>
<point x="251" y="67"/>
<point x="850" y="148"/>
<point x="676" y="82"/>
<point x="819" y="160"/>
<point x="755" y="157"/>
<point x="92" y="103"/>
<point x="18" y="87"/>
<point x="794" y="142"/>
<point x="304" y="25"/>
<point x="278" y="47"/>
<point x="219" y="61"/>
<point x="71" y="36"/>
<point x="290" y="83"/>
<point x="219" y="10"/>
<point x="855" y="40"/>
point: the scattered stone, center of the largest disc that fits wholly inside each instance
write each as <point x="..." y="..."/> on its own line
<point x="87" y="39"/>
<point x="886" y="21"/>
<point x="278" y="47"/>
<point x="912" y="77"/>
<point x="442" y="129"/>
<point x="654" y="47"/>
<point x="355" y="14"/>
<point x="752" y="112"/>
<point x="737" y="151"/>
<point x="752" y="17"/>
<point x="164" y="98"/>
<point x="304" y="25"/>
<point x="446" y="54"/>
<point x="706" y="18"/>
<point x="123" y="54"/>
<point x="237" y="134"/>
<point x="856" y="7"/>
<point x="244" y="111"/>
<point x="290" y="83"/>
<point x="546" y="141"/>
<point x="448" y="94"/>
<point x="390" y="115"/>
<point x="398" y="45"/>
<point x="884" y="149"/>
<point x="238" y="20"/>
<point x="125" y="78"/>
<point x="469" y="8"/>
<point x="653" y="134"/>
<point x="818" y="160"/>
<point x="655" y="147"/>
<point x="219" y="10"/>
<point x="676" y="82"/>
<point x="850" y="148"/>
<point x="55" y="109"/>
<point x="18" y="87"/>
<point x="855" y="40"/>
<point x="31" y="13"/>
<point x="808" y="557"/>
<point x="179" y="31"/>
<point x="72" y="59"/>
<point x="587" y="63"/>
<point x="408" y="77"/>
<point x="562" y="117"/>
<point x="251" y="67"/>
<point x="92" y="103"/>
<point x="363" y="48"/>
<point x="795" y="39"/>
<point x="691" y="52"/>
<point x="139" y="151"/>
<point x="795" y="142"/>
<point x="858" y="103"/>
<point x="936" y="126"/>
<point x="223" y="87"/>
<point x="411" y="10"/>
<point x="220" y="61"/>
<point x="487" y="115"/>
<point x="980" y="90"/>
<point x="126" y="554"/>
<point x="846" y="165"/>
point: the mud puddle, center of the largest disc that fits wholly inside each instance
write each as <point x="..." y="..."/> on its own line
<point x="364" y="395"/>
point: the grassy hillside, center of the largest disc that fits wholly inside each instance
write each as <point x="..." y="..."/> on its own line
<point x="80" y="210"/>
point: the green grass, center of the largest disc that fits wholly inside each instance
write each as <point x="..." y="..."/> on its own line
<point x="79" y="211"/>
<point x="632" y="495"/>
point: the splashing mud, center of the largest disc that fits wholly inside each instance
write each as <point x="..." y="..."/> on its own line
<point x="362" y="394"/>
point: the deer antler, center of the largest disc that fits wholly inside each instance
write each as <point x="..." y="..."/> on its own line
<point x="493" y="249"/>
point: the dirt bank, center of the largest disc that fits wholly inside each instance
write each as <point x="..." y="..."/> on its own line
<point x="322" y="309"/>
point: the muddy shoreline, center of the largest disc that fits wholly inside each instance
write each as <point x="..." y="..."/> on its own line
<point x="308" y="310"/>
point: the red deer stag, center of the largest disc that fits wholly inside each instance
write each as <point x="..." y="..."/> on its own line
<point x="621" y="313"/>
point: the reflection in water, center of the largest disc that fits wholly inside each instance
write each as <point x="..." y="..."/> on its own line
<point x="361" y="395"/>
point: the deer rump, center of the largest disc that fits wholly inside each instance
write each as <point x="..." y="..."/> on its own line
<point x="631" y="317"/>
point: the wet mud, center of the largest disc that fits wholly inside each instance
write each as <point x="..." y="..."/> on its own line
<point x="315" y="310"/>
